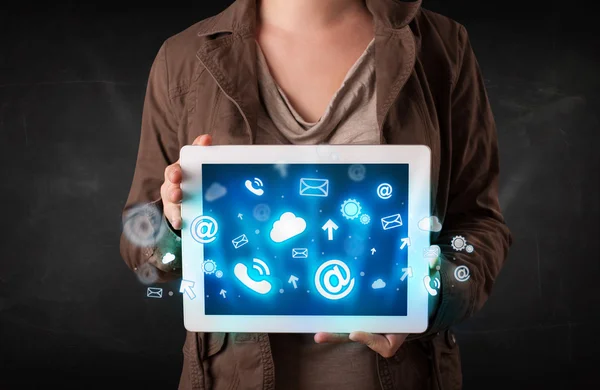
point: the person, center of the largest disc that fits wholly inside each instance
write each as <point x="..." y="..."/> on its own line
<point x="333" y="72"/>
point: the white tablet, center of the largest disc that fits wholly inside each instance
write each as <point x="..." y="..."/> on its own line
<point x="300" y="239"/>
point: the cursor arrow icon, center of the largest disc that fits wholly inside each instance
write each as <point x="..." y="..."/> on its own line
<point x="186" y="287"/>
<point x="293" y="279"/>
<point x="330" y="226"/>
<point x="373" y="250"/>
<point x="223" y="292"/>
<point x="405" y="242"/>
<point x="407" y="272"/>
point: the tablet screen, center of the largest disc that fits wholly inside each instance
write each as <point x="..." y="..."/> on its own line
<point x="303" y="239"/>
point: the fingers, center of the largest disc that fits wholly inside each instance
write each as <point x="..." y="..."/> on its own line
<point x="335" y="338"/>
<point x="173" y="173"/>
<point x="172" y="212"/>
<point x="385" y="345"/>
<point x="203" y="140"/>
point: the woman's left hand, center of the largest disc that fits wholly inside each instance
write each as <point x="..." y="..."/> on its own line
<point x="384" y="344"/>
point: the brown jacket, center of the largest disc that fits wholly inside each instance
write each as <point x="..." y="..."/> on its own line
<point x="429" y="91"/>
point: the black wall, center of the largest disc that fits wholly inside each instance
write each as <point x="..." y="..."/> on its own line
<point x="72" y="82"/>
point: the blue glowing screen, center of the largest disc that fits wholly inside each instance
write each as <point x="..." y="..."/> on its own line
<point x="304" y="239"/>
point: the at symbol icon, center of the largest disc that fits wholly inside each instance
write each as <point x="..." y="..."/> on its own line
<point x="337" y="282"/>
<point x="384" y="191"/>
<point x="204" y="229"/>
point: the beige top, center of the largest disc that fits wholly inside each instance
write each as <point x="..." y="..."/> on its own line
<point x="350" y="118"/>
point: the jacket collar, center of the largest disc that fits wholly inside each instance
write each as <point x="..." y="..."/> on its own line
<point x="229" y="54"/>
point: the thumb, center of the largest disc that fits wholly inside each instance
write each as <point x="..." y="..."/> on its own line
<point x="203" y="140"/>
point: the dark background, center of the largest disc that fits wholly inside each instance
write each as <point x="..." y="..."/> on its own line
<point x="72" y="82"/>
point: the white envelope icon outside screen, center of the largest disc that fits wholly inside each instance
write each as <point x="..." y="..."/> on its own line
<point x="314" y="187"/>
<point x="239" y="241"/>
<point x="299" y="253"/>
<point x="154" y="292"/>
<point x="391" y="221"/>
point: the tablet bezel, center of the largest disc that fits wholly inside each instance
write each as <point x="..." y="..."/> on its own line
<point x="418" y="158"/>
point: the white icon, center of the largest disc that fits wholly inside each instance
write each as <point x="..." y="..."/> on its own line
<point x="186" y="287"/>
<point x="299" y="253"/>
<point x="391" y="221"/>
<point x="469" y="248"/>
<point x="379" y="283"/>
<point x="281" y="168"/>
<point x="209" y="267"/>
<point x="405" y="242"/>
<point x="143" y="225"/>
<point x="168" y="258"/>
<point x="431" y="290"/>
<point x="458" y="243"/>
<point x="462" y="273"/>
<point x="293" y="279"/>
<point x="350" y="209"/>
<point x="330" y="226"/>
<point x="219" y="274"/>
<point x="223" y="292"/>
<point x="365" y="219"/>
<point x="255" y="186"/>
<point x="261" y="212"/>
<point x="241" y="216"/>
<point x="204" y="229"/>
<point x="433" y="252"/>
<point x="430" y="224"/>
<point x="356" y="172"/>
<point x="384" y="191"/>
<point x="154" y="292"/>
<point x="214" y="192"/>
<point x="342" y="280"/>
<point x="239" y="241"/>
<point x="407" y="273"/>
<point x="241" y="272"/>
<point x="373" y="250"/>
<point x="286" y="227"/>
<point x="314" y="187"/>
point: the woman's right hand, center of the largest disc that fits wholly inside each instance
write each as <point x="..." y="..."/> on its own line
<point x="170" y="191"/>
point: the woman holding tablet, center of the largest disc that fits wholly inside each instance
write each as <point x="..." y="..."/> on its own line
<point x="307" y="72"/>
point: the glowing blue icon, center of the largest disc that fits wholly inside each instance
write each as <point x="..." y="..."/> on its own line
<point x="209" y="266"/>
<point x="255" y="186"/>
<point x="187" y="288"/>
<point x="214" y="192"/>
<point x="351" y="209"/>
<point x="333" y="280"/>
<point x="379" y="283"/>
<point x="299" y="253"/>
<point x="219" y="274"/>
<point x="314" y="187"/>
<point x="286" y="227"/>
<point x="204" y="229"/>
<point x="357" y="172"/>
<point x="259" y="286"/>
<point x="365" y="219"/>
<point x="330" y="226"/>
<point x="384" y="191"/>
<point x="239" y="241"/>
<point x="391" y="222"/>
<point x="262" y="212"/>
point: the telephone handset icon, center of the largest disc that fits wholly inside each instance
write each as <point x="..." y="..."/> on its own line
<point x="431" y="290"/>
<point x="241" y="272"/>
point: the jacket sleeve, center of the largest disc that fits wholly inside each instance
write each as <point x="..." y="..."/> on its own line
<point x="147" y="236"/>
<point x="473" y="210"/>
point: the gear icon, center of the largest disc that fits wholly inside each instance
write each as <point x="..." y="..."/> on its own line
<point x="458" y="243"/>
<point x="365" y="219"/>
<point x="209" y="266"/>
<point x="351" y="209"/>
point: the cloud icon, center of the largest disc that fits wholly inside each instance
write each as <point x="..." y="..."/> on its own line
<point x="378" y="284"/>
<point x="214" y="192"/>
<point x="287" y="227"/>
<point x="430" y="224"/>
<point x="167" y="258"/>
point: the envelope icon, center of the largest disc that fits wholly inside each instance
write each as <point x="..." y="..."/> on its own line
<point x="154" y="292"/>
<point x="391" y="221"/>
<point x="432" y="253"/>
<point x="299" y="253"/>
<point x="314" y="187"/>
<point x="239" y="241"/>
